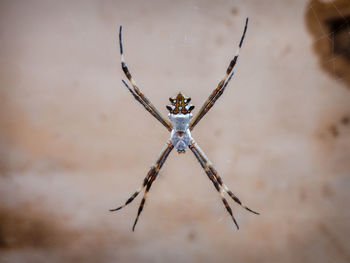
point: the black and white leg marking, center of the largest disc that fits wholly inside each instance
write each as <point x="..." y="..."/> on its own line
<point x="138" y="95"/>
<point x="149" y="179"/>
<point x="221" y="86"/>
<point x="216" y="179"/>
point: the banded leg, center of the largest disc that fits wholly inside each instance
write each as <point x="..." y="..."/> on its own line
<point x="214" y="181"/>
<point x="143" y="201"/>
<point x="228" y="191"/>
<point x="221" y="86"/>
<point x="151" y="176"/>
<point x="133" y="196"/>
<point x="138" y="95"/>
<point x="219" y="179"/>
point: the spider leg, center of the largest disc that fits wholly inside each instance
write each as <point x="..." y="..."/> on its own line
<point x="147" y="182"/>
<point x="221" y="86"/>
<point x="138" y="95"/>
<point x="218" y="178"/>
<point x="142" y="204"/>
<point x="228" y="191"/>
<point x="208" y="167"/>
<point x="212" y="178"/>
<point x="133" y="196"/>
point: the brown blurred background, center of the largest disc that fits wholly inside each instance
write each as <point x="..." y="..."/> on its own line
<point x="74" y="143"/>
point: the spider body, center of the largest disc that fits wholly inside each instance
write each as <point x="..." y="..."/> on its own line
<point x="180" y="117"/>
<point x="180" y="125"/>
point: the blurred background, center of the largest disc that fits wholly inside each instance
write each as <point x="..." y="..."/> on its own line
<point x="74" y="143"/>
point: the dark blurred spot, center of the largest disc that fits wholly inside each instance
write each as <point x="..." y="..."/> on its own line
<point x="326" y="190"/>
<point x="302" y="194"/>
<point x="105" y="13"/>
<point x="260" y="184"/>
<point x="29" y="228"/>
<point x="329" y="24"/>
<point x="234" y="11"/>
<point x="103" y="117"/>
<point x="228" y="23"/>
<point x="218" y="132"/>
<point x="219" y="40"/>
<point x="339" y="29"/>
<point x="192" y="235"/>
<point x="5" y="168"/>
<point x="24" y="226"/>
<point x="287" y="49"/>
<point x="345" y="120"/>
<point x="334" y="130"/>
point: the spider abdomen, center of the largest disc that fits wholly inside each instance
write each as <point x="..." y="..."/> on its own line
<point x="180" y="135"/>
<point x="181" y="140"/>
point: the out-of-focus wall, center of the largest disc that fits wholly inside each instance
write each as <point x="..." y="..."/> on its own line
<point x="74" y="143"/>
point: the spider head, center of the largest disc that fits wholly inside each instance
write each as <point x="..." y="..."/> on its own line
<point x="180" y="104"/>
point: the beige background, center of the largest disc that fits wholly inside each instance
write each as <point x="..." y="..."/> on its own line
<point x="74" y="143"/>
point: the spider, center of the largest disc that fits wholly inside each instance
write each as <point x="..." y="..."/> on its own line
<point x="180" y="125"/>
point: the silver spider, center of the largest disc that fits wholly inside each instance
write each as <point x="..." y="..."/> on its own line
<point x="180" y="125"/>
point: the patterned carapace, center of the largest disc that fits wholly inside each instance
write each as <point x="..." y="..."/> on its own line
<point x="180" y="103"/>
<point x="180" y="125"/>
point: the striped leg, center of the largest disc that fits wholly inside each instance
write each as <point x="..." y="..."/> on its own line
<point x="227" y="190"/>
<point x="138" y="95"/>
<point x="221" y="86"/>
<point x="213" y="179"/>
<point x="147" y="182"/>
<point x="132" y="197"/>
<point x="153" y="177"/>
<point x="209" y="166"/>
<point x="142" y="204"/>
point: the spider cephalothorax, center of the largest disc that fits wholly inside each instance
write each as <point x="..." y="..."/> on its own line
<point x="180" y="104"/>
<point x="180" y="125"/>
